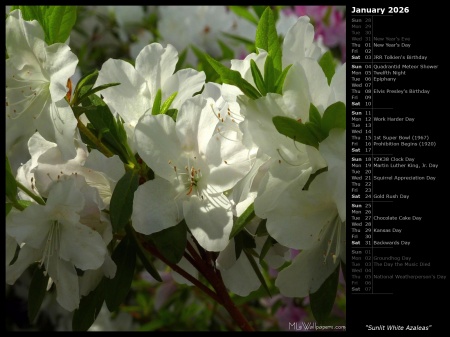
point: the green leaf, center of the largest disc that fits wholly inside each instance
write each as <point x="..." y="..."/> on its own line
<point x="262" y="229"/>
<point x="265" y="249"/>
<point x="157" y="104"/>
<point x="233" y="77"/>
<point x="333" y="117"/>
<point x="203" y="64"/>
<point x="323" y="299"/>
<point x="256" y="270"/>
<point x="144" y="256"/>
<point x="60" y="20"/>
<point x="8" y="208"/>
<point x="242" y="221"/>
<point x="89" y="308"/>
<point x="314" y="115"/>
<point x="11" y="185"/>
<point x="248" y="43"/>
<point x="258" y="78"/>
<point x="36" y="292"/>
<point x="121" y="205"/>
<point x="243" y="12"/>
<point x="24" y="203"/>
<point x="87" y="81"/>
<point x="295" y="130"/>
<point x="165" y="106"/>
<point x="267" y="39"/>
<point x="97" y="89"/>
<point x="259" y="10"/>
<point x="105" y="127"/>
<point x="122" y="134"/>
<point x="181" y="59"/>
<point x="56" y="21"/>
<point x="172" y="113"/>
<point x="280" y="81"/>
<point x="269" y="75"/>
<point x="315" y="123"/>
<point x="171" y="242"/>
<point x="241" y="241"/>
<point x="328" y="65"/>
<point x="227" y="52"/>
<point x="117" y="288"/>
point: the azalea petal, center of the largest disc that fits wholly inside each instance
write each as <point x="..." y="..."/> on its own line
<point x="57" y="123"/>
<point x="92" y="278"/>
<point x="52" y="165"/>
<point x="19" y="131"/>
<point x="130" y="99"/>
<point x="243" y="66"/>
<point x="258" y="119"/>
<point x="317" y="83"/>
<point x="156" y="64"/>
<point x="227" y="257"/>
<point x="296" y="93"/>
<point x="278" y="179"/>
<point x="64" y="199"/>
<point x="338" y="86"/>
<point x="186" y="82"/>
<point x="27" y="256"/>
<point x="210" y="220"/>
<point x="89" y="281"/>
<point x="298" y="41"/>
<point x="196" y="123"/>
<point x="65" y="278"/>
<point x="155" y="207"/>
<point x="157" y="144"/>
<point x="299" y="216"/>
<point x="242" y="189"/>
<point x="81" y="246"/>
<point x="112" y="167"/>
<point x="334" y="151"/>
<point x="11" y="246"/>
<point x="60" y="63"/>
<point x="277" y="254"/>
<point x="229" y="161"/>
<point x="309" y="269"/>
<point x="21" y="35"/>
<point x="241" y="279"/>
<point x="30" y="226"/>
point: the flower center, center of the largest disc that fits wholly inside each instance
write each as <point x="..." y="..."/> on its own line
<point x="188" y="178"/>
<point x="52" y="244"/>
<point x="23" y="92"/>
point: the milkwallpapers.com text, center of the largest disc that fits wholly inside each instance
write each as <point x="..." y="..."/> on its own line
<point x="313" y="326"/>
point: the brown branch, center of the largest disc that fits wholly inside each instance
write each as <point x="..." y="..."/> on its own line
<point x="214" y="277"/>
<point x="182" y="272"/>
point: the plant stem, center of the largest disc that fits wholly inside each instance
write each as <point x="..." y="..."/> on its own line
<point x="31" y="194"/>
<point x="215" y="278"/>
<point x="182" y="272"/>
<point x="100" y="146"/>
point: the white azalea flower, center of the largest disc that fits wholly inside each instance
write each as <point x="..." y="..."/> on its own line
<point x="320" y="228"/>
<point x="197" y="25"/>
<point x="194" y="164"/>
<point x="154" y="70"/>
<point x="61" y="236"/>
<point x="238" y="274"/>
<point x="47" y="164"/>
<point x="36" y="78"/>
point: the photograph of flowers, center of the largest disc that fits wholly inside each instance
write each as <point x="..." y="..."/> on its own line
<point x="175" y="168"/>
